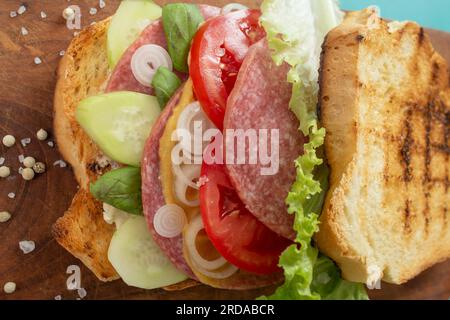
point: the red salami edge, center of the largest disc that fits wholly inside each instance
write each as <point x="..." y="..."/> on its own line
<point x="260" y="100"/>
<point x="152" y="194"/>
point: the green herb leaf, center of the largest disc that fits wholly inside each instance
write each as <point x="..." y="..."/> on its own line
<point x="120" y="188"/>
<point x="165" y="83"/>
<point x="181" y="22"/>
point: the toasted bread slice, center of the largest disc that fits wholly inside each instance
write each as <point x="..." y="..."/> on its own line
<point x="83" y="232"/>
<point x="385" y="103"/>
<point x="83" y="72"/>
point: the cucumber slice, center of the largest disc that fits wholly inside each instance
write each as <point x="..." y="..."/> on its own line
<point x="119" y="123"/>
<point x="126" y="25"/>
<point x="138" y="259"/>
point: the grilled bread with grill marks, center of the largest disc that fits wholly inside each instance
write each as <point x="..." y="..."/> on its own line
<point x="385" y="103"/>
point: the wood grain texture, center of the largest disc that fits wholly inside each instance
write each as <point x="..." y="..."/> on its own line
<point x="26" y="94"/>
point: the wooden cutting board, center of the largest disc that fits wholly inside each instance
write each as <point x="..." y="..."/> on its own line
<point x="26" y="93"/>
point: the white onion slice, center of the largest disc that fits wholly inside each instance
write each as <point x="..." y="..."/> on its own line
<point x="193" y="112"/>
<point x="169" y="221"/>
<point x="233" y="7"/>
<point x="186" y="173"/>
<point x="180" y="193"/>
<point x="223" y="274"/>
<point x="146" y="61"/>
<point x="195" y="226"/>
<point x="184" y="123"/>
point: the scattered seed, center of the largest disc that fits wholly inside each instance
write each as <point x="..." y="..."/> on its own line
<point x="29" y="162"/>
<point x="43" y="15"/>
<point x="102" y="4"/>
<point x="93" y="11"/>
<point x="37" y="60"/>
<point x="9" y="287"/>
<point x="27" y="246"/>
<point x="2" y="161"/>
<point x="58" y="297"/>
<point x="13" y="14"/>
<point x="20" y="170"/>
<point x="68" y="13"/>
<point x="4" y="172"/>
<point x="62" y="53"/>
<point x="51" y="144"/>
<point x="9" y="140"/>
<point x="11" y="195"/>
<point x="4" y="216"/>
<point x="39" y="167"/>
<point x="27" y="174"/>
<point x="24" y="31"/>
<point x="21" y="158"/>
<point x="42" y="135"/>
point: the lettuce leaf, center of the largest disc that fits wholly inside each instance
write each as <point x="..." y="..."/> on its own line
<point x="327" y="282"/>
<point x="295" y="32"/>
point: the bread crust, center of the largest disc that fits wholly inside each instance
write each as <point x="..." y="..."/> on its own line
<point x="387" y="145"/>
<point x="83" y="232"/>
<point x="83" y="72"/>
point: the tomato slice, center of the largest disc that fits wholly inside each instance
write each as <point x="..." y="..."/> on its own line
<point x="234" y="231"/>
<point x="217" y="52"/>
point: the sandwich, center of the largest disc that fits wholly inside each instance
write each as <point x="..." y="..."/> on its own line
<point x="240" y="148"/>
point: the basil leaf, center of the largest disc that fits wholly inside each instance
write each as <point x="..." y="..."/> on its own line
<point x="120" y="188"/>
<point x="165" y="83"/>
<point x="180" y="21"/>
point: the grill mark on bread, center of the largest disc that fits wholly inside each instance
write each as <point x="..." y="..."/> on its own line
<point x="407" y="217"/>
<point x="421" y="36"/>
<point x="435" y="72"/>
<point x="406" y="147"/>
<point x="446" y="138"/>
<point x="443" y="148"/>
<point x="427" y="159"/>
<point x="437" y="114"/>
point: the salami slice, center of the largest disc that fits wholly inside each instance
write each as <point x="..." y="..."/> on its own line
<point x="260" y="100"/>
<point x="122" y="78"/>
<point x="152" y="194"/>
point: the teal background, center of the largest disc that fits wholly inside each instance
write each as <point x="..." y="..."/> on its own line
<point x="429" y="13"/>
